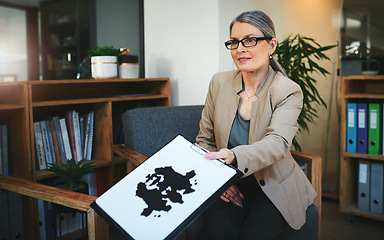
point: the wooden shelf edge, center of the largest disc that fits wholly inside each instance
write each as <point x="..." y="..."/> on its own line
<point x="43" y="174"/>
<point x="96" y="100"/>
<point x="363" y="77"/>
<point x="11" y="106"/>
<point x="353" y="210"/>
<point x="364" y="96"/>
<point x="364" y="156"/>
<point x="111" y="80"/>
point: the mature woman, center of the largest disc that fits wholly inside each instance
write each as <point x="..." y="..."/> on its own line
<point x="249" y="120"/>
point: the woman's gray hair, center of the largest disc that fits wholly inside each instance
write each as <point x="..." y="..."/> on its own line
<point x="264" y="23"/>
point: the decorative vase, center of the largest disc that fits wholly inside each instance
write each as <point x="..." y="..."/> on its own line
<point x="104" y="66"/>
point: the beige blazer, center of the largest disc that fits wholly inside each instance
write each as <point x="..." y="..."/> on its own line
<point x="272" y="127"/>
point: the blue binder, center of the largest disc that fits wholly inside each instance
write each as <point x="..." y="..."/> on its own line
<point x="364" y="185"/>
<point x="376" y="201"/>
<point x="362" y="128"/>
<point x="351" y="127"/>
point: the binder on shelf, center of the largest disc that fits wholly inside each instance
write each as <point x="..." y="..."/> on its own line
<point x="364" y="185"/>
<point x="166" y="192"/>
<point x="374" y="129"/>
<point x="351" y="127"/>
<point x="376" y="196"/>
<point x="362" y="128"/>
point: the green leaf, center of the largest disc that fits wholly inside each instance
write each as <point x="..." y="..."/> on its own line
<point x="104" y="51"/>
<point x="297" y="54"/>
<point x="72" y="171"/>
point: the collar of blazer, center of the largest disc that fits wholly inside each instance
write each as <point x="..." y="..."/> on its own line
<point x="237" y="85"/>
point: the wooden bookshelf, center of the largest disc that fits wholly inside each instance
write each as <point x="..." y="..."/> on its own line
<point x="23" y="103"/>
<point x="356" y="89"/>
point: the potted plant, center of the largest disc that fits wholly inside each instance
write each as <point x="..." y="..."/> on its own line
<point x="104" y="62"/>
<point x="299" y="56"/>
<point x="71" y="173"/>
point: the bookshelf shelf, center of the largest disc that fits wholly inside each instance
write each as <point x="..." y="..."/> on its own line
<point x="356" y="89"/>
<point x="354" y="156"/>
<point x="23" y="103"/>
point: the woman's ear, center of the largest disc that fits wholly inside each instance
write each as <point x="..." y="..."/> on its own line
<point x="273" y="44"/>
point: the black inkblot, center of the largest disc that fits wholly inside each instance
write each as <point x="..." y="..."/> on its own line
<point x="164" y="184"/>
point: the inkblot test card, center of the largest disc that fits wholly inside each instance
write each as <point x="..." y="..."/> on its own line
<point x="166" y="193"/>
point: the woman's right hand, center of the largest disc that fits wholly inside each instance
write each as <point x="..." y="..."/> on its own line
<point x="233" y="195"/>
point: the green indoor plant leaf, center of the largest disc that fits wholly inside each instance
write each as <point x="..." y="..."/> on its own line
<point x="104" y="51"/>
<point x="300" y="57"/>
<point x="72" y="171"/>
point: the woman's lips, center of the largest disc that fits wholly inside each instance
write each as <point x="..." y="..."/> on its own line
<point x="243" y="59"/>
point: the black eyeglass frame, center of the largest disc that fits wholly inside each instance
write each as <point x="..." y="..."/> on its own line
<point x="228" y="43"/>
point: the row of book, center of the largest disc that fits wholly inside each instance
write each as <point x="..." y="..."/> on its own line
<point x="365" y="128"/>
<point x="4" y="164"/>
<point x="59" y="139"/>
<point x="371" y="186"/>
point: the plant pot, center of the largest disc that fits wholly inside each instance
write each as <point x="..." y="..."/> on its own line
<point x="81" y="187"/>
<point x="104" y="66"/>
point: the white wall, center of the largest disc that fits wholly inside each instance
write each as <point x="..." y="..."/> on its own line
<point x="184" y="41"/>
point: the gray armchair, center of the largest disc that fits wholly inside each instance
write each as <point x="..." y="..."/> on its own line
<point x="146" y="130"/>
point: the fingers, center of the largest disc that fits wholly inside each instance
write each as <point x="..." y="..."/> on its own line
<point x="233" y="195"/>
<point x="224" y="154"/>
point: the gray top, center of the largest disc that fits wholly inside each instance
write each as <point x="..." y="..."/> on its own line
<point x="239" y="134"/>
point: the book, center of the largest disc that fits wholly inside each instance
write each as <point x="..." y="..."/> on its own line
<point x="166" y="192"/>
<point x="82" y="134"/>
<point x="59" y="135"/>
<point x="71" y="134"/>
<point x="86" y="134"/>
<point x="50" y="141"/>
<point x="46" y="144"/>
<point x="55" y="142"/>
<point x="4" y="134"/>
<point x="66" y="143"/>
<point x="90" y="131"/>
<point x="40" y="152"/>
<point x="76" y="133"/>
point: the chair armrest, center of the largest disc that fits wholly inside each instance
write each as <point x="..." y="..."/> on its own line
<point x="97" y="227"/>
<point x="133" y="158"/>
<point x="314" y="173"/>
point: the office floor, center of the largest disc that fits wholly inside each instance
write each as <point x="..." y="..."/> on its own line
<point x="334" y="225"/>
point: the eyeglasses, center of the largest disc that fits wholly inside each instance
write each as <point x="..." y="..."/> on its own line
<point x="247" y="42"/>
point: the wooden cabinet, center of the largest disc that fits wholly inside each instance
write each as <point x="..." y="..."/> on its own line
<point x="22" y="103"/>
<point x="368" y="89"/>
<point x="14" y="114"/>
<point x="65" y="36"/>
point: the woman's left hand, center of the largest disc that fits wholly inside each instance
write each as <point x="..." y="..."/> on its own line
<point x="224" y="154"/>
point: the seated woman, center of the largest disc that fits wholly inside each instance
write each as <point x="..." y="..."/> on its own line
<point x="249" y="120"/>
